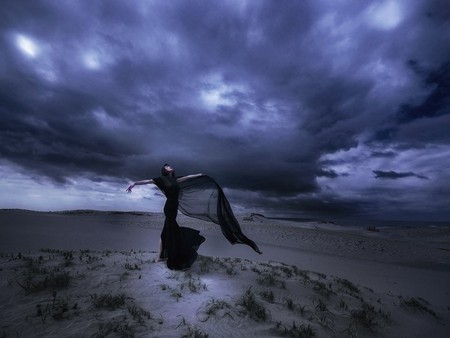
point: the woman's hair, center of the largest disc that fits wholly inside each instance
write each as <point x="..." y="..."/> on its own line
<point x="164" y="172"/>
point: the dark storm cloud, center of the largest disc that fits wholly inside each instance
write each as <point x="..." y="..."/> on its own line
<point x="424" y="121"/>
<point x="387" y="154"/>
<point x="396" y="175"/>
<point x="327" y="173"/>
<point x="254" y="93"/>
<point x="437" y="102"/>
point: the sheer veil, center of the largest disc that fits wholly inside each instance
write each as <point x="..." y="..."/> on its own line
<point x="202" y="198"/>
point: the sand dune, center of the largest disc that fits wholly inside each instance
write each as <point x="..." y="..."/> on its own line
<point x="90" y="274"/>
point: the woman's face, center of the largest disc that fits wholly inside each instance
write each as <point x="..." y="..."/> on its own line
<point x="168" y="168"/>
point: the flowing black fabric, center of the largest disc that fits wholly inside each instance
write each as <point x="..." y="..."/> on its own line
<point x="179" y="244"/>
<point x="201" y="197"/>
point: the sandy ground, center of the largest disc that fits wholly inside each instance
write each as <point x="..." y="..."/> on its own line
<point x="94" y="274"/>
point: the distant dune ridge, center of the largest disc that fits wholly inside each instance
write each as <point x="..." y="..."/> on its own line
<point x="85" y="273"/>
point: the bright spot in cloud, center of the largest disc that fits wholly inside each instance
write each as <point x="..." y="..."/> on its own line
<point x="27" y="45"/>
<point x="91" y="60"/>
<point x="106" y="120"/>
<point x="216" y="92"/>
<point x="386" y="15"/>
<point x="216" y="96"/>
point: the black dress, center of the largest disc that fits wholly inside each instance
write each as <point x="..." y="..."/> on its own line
<point x="179" y="244"/>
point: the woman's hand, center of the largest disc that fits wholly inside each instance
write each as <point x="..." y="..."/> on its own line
<point x="150" y="181"/>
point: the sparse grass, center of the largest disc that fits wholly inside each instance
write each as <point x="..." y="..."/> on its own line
<point x="230" y="271"/>
<point x="194" y="285"/>
<point x="302" y="274"/>
<point x="384" y="314"/>
<point x="290" y="304"/>
<point x="176" y="294"/>
<point x="215" y="307"/>
<point x="119" y="329"/>
<point x="348" y="285"/>
<point x="124" y="275"/>
<point x="256" y="270"/>
<point x="288" y="271"/>
<point x="251" y="302"/>
<point x="108" y="301"/>
<point x="323" y="313"/>
<point x="67" y="255"/>
<point x="68" y="258"/>
<point x="417" y="304"/>
<point x="205" y="263"/>
<point x="268" y="296"/>
<point x="58" y="309"/>
<point x="294" y="307"/>
<point x="53" y="280"/>
<point x="268" y="279"/>
<point x="322" y="289"/>
<point x="89" y="259"/>
<point x="302" y="331"/>
<point x="174" y="275"/>
<point x="138" y="314"/>
<point x="321" y="306"/>
<point x="366" y="316"/>
<point x="343" y="304"/>
<point x="131" y="267"/>
<point x="255" y="310"/>
<point x="173" y="292"/>
<point x="194" y="332"/>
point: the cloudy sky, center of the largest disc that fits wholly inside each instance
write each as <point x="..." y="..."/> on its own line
<point x="311" y="108"/>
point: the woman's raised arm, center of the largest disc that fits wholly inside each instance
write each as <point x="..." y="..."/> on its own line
<point x="130" y="188"/>
<point x="184" y="178"/>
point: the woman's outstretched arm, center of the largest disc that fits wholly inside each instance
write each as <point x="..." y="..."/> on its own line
<point x="130" y="188"/>
<point x="184" y="178"/>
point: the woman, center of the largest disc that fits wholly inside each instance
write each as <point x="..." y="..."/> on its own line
<point x="197" y="196"/>
<point x="177" y="245"/>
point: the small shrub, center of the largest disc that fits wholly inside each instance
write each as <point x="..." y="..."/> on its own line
<point x="230" y="271"/>
<point x="343" y="304"/>
<point x="108" y="301"/>
<point x="118" y="329"/>
<point x="176" y="294"/>
<point x="322" y="289"/>
<point x="323" y="314"/>
<point x="68" y="258"/>
<point x="268" y="279"/>
<point x="348" y="285"/>
<point x="256" y="311"/>
<point x="138" y="313"/>
<point x="53" y="280"/>
<point x="194" y="332"/>
<point x="268" y="296"/>
<point x="287" y="271"/>
<point x="365" y="316"/>
<point x="302" y="331"/>
<point x="290" y="303"/>
<point x="417" y="304"/>
<point x="130" y="267"/>
<point x="213" y="308"/>
<point x="58" y="309"/>
<point x="321" y="306"/>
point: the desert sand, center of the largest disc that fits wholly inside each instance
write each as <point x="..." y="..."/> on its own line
<point x="95" y="274"/>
